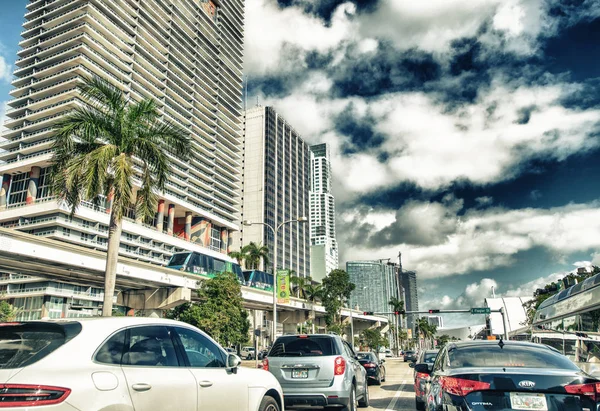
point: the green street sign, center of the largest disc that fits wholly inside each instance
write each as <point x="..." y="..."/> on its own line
<point x="480" y="311"/>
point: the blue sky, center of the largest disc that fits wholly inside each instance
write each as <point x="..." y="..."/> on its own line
<point x="464" y="134"/>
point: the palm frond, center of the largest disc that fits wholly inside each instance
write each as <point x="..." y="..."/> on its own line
<point x="98" y="90"/>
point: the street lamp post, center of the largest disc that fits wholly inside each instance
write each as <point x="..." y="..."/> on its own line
<point x="274" y="231"/>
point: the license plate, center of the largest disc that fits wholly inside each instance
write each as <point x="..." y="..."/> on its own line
<point x="526" y="401"/>
<point x="300" y="373"/>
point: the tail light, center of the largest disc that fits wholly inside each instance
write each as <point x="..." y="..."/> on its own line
<point x="459" y="386"/>
<point x="589" y="390"/>
<point x="370" y="365"/>
<point x="22" y="395"/>
<point x="265" y="364"/>
<point x="422" y="376"/>
<point x="339" y="366"/>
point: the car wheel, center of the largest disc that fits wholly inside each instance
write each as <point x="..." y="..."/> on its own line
<point x="364" y="403"/>
<point x="378" y="380"/>
<point x="268" y="404"/>
<point x="383" y="378"/>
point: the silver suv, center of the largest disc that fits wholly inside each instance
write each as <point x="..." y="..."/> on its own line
<point x="318" y="370"/>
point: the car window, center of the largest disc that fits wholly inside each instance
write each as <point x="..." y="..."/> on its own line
<point x="429" y="358"/>
<point x="150" y="346"/>
<point x="111" y="351"/>
<point x="22" y="344"/>
<point x="437" y="366"/>
<point x="200" y="351"/>
<point x="304" y="346"/>
<point x="492" y="355"/>
<point x="348" y="349"/>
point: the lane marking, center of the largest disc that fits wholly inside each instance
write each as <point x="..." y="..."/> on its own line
<point x="394" y="400"/>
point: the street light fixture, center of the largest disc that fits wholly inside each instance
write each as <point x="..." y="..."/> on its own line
<point x="274" y="231"/>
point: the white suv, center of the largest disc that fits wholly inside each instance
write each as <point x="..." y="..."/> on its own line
<point x="123" y="364"/>
<point x="247" y="353"/>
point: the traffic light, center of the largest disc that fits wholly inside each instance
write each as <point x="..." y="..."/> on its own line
<point x="368" y="312"/>
<point x="433" y="311"/>
<point x="399" y="312"/>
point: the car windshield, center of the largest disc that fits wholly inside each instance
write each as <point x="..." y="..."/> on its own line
<point x="429" y="358"/>
<point x="22" y="344"/>
<point x="493" y="355"/>
<point x="369" y="356"/>
<point x="304" y="346"/>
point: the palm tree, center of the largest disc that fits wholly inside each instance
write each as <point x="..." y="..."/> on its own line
<point x="239" y="256"/>
<point x="397" y="306"/>
<point x="96" y="150"/>
<point x="254" y="254"/>
<point x="313" y="293"/>
<point x="425" y="329"/>
<point x="300" y="284"/>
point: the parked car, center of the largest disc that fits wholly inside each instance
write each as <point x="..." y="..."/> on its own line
<point x="426" y="357"/>
<point x="247" y="353"/>
<point x="263" y="353"/>
<point x="125" y="363"/>
<point x="373" y="365"/>
<point x="490" y="375"/>
<point x="388" y="353"/>
<point x="410" y="356"/>
<point x="318" y="370"/>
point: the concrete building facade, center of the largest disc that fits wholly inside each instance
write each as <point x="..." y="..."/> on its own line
<point x="436" y="320"/>
<point x="187" y="56"/>
<point x="324" y="247"/>
<point x="276" y="182"/>
<point x="376" y="283"/>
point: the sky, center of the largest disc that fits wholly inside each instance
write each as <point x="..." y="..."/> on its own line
<point x="464" y="134"/>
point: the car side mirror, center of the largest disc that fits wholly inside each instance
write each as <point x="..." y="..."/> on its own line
<point x="422" y="368"/>
<point x="411" y="364"/>
<point x="233" y="363"/>
<point x="382" y="360"/>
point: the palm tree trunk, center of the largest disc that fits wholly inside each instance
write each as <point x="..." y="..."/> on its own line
<point x="112" y="256"/>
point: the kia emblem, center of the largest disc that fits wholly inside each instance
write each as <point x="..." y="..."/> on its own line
<point x="526" y="384"/>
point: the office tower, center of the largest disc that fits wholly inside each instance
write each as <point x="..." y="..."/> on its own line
<point x="275" y="189"/>
<point x="324" y="248"/>
<point x="408" y="280"/>
<point x="187" y="56"/>
<point x="376" y="283"/>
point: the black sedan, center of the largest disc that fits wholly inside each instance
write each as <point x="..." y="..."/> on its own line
<point x="374" y="367"/>
<point x="410" y="356"/>
<point x="426" y="357"/>
<point x="507" y="375"/>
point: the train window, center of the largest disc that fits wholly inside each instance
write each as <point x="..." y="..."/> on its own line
<point x="219" y="265"/>
<point x="597" y="280"/>
<point x="178" y="259"/>
<point x="576" y="288"/>
<point x="562" y="295"/>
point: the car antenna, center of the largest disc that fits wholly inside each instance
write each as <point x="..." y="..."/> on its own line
<point x="501" y="343"/>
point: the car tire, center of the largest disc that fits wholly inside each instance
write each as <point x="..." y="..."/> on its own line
<point x="419" y="405"/>
<point x="364" y="403"/>
<point x="351" y="401"/>
<point x="268" y="404"/>
<point x="383" y="378"/>
<point x="378" y="380"/>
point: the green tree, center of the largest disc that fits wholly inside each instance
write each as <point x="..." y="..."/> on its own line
<point x="299" y="285"/>
<point x="239" y="256"/>
<point x="397" y="306"/>
<point x="313" y="294"/>
<point x="443" y="340"/>
<point x="219" y="313"/>
<point x="372" y="338"/>
<point x="96" y="150"/>
<point x="255" y="253"/>
<point x="426" y="330"/>
<point x="7" y="312"/>
<point x="335" y="293"/>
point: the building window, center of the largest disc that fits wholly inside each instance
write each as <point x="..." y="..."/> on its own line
<point x="18" y="189"/>
<point x="44" y="184"/>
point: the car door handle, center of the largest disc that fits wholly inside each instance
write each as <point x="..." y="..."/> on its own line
<point x="205" y="383"/>
<point x="141" y="387"/>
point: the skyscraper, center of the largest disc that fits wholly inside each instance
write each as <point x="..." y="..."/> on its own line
<point x="187" y="56"/>
<point x="324" y="248"/>
<point x="408" y="280"/>
<point x="376" y="283"/>
<point x="275" y="189"/>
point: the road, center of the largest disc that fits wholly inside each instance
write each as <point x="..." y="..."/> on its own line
<point x="395" y="394"/>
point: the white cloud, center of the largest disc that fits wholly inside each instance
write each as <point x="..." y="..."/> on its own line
<point x="527" y="289"/>
<point x="596" y="259"/>
<point x="5" y="70"/>
<point x="487" y="239"/>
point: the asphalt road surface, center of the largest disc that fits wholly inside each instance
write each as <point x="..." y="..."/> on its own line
<point x="395" y="394"/>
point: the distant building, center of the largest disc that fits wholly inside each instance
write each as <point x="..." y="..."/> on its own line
<point x="408" y="280"/>
<point x="324" y="248"/>
<point x="376" y="283"/>
<point x="436" y="320"/>
<point x="276" y="181"/>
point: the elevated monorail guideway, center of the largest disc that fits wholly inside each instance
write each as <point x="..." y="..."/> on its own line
<point x="141" y="285"/>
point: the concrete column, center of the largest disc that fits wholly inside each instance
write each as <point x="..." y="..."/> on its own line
<point x="171" y="219"/>
<point x="188" y="226"/>
<point x="160" y="215"/>
<point x="4" y="191"/>
<point x="224" y="239"/>
<point x="34" y="179"/>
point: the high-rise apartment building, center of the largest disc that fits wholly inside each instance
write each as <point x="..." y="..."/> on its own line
<point x="436" y="320"/>
<point x="408" y="280"/>
<point x="376" y="283"/>
<point x="186" y="55"/>
<point x="324" y="249"/>
<point x="276" y="181"/>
